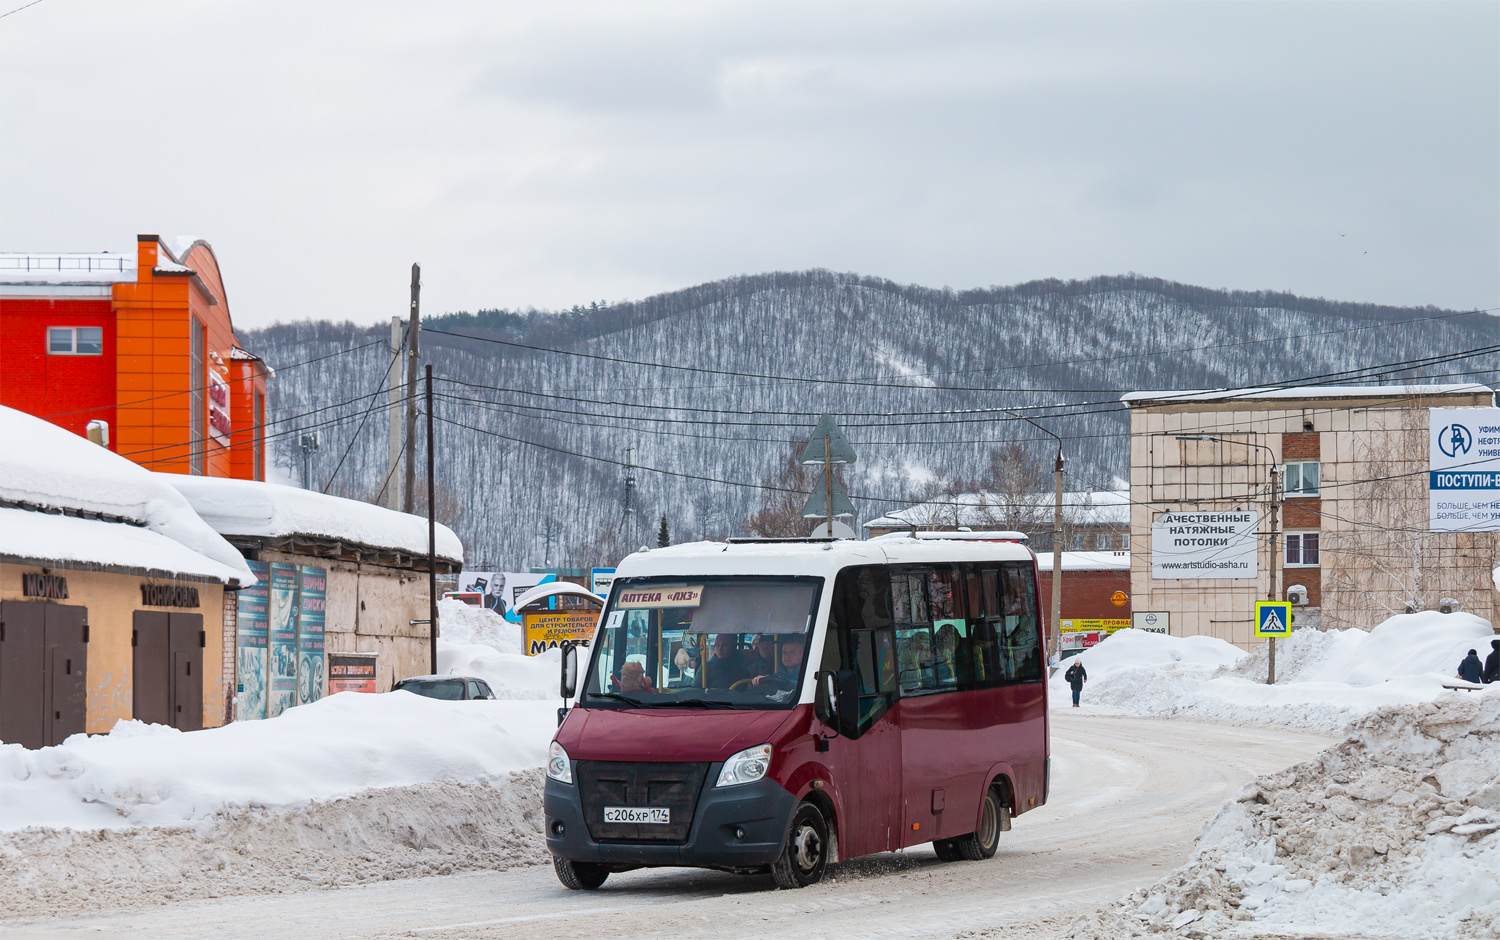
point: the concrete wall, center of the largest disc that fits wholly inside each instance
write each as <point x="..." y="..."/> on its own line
<point x="112" y="600"/>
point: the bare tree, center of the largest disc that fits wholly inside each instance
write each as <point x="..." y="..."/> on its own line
<point x="780" y="516"/>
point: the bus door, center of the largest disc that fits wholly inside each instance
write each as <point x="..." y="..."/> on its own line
<point x="866" y="763"/>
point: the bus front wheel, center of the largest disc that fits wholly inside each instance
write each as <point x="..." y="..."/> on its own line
<point x="982" y="842"/>
<point x="805" y="853"/>
<point x="579" y="876"/>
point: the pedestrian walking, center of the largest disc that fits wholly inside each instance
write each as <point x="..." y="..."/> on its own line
<point x="1471" y="669"/>
<point x="1492" y="663"/>
<point x="1076" y="676"/>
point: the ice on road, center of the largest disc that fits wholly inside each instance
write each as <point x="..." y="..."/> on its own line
<point x="1130" y="796"/>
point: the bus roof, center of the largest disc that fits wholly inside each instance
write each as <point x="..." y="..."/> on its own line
<point x="824" y="558"/>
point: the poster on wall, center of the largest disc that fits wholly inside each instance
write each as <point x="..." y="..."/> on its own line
<point x="310" y="660"/>
<point x="252" y="605"/>
<point x="545" y="630"/>
<point x="1463" y="477"/>
<point x="1191" y="545"/>
<point x="219" y="427"/>
<point x="281" y="658"/>
<point x="352" y="672"/>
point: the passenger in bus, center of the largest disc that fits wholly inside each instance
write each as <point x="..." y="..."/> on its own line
<point x="945" y="656"/>
<point x="762" y="661"/>
<point x="726" y="666"/>
<point x="791" y="663"/>
<point x="633" y="679"/>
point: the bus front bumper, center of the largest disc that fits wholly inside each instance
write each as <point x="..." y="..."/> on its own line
<point x="739" y="827"/>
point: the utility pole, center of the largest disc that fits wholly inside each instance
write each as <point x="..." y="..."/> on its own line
<point x="390" y="487"/>
<point x="409" y="491"/>
<point x="1271" y="568"/>
<point x="828" y="477"/>
<point x="432" y="605"/>
<point x="629" y="500"/>
<point x="1055" y="628"/>
<point x="309" y="443"/>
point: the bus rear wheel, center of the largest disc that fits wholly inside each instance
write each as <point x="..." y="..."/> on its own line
<point x="982" y="842"/>
<point x="805" y="854"/>
<point x="579" y="876"/>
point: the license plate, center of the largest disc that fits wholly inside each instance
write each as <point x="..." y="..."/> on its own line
<point x="651" y="815"/>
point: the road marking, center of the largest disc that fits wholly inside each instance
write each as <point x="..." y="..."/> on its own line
<point x="549" y="916"/>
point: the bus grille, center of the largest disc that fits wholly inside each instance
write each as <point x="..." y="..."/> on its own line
<point x="639" y="784"/>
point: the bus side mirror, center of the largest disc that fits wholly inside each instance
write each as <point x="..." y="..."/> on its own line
<point x="824" y="702"/>
<point x="569" y="683"/>
<point x="836" y="703"/>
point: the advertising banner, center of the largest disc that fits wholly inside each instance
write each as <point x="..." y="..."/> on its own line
<point x="545" y="630"/>
<point x="1464" y="470"/>
<point x="351" y="672"/>
<point x="281" y="658"/>
<point x="1093" y="624"/>
<point x="252" y="605"/>
<point x="1187" y="545"/>
<point x="310" y="624"/>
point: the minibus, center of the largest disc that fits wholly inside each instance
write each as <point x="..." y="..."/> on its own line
<point x="780" y="705"/>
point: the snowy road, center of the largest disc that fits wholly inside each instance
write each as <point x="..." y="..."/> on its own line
<point x="1128" y="800"/>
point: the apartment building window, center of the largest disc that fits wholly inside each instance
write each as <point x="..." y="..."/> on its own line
<point x="1078" y="543"/>
<point x="197" y="399"/>
<point x="1302" y="549"/>
<point x="1125" y="542"/>
<point x="1302" y="478"/>
<point x="75" y="341"/>
<point x="1105" y="543"/>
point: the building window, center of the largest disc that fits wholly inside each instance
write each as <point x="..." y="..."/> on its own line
<point x="1105" y="543"/>
<point x="1125" y="542"/>
<point x="75" y="341"/>
<point x="1077" y="543"/>
<point x="1302" y="549"/>
<point x="197" y="400"/>
<point x="1302" y="478"/>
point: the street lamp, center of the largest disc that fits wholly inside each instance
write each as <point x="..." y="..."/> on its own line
<point x="1275" y="530"/>
<point x="1055" y="631"/>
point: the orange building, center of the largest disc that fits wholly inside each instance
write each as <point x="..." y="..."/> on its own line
<point x="145" y="351"/>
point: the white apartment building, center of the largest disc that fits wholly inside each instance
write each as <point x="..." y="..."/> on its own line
<point x="1353" y="520"/>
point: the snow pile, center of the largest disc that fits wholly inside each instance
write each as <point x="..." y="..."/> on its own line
<point x="46" y="466"/>
<point x="1323" y="680"/>
<point x="474" y="641"/>
<point x="1395" y="832"/>
<point x="153" y="775"/>
<point x="272" y="510"/>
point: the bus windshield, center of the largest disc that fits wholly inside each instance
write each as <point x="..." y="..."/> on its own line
<point x="712" y="642"/>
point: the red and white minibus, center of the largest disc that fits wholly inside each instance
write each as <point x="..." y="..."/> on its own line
<point x="777" y="706"/>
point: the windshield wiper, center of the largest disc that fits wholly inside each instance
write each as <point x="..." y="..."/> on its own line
<point x="704" y="703"/>
<point x="633" y="702"/>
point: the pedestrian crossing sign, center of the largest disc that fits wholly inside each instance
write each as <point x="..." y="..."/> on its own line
<point x="1273" y="618"/>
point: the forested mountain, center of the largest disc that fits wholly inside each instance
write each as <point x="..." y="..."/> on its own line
<point x="531" y="440"/>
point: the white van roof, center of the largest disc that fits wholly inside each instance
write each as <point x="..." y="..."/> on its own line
<point x="820" y="558"/>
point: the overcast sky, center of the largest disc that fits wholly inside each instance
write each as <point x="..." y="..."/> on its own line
<point x="551" y="154"/>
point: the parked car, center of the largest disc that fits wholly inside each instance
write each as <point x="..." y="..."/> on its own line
<point x="448" y="688"/>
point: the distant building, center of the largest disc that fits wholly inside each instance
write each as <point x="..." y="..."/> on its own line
<point x="1354" y="544"/>
<point x="141" y="346"/>
<point x="1095" y="596"/>
<point x="1093" y="521"/>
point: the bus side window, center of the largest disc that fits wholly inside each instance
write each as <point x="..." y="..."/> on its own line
<point x="1022" y="638"/>
<point x="986" y="665"/>
<point x="914" y="627"/>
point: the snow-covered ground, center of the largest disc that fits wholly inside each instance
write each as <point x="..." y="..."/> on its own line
<point x="1324" y="680"/>
<point x="473" y="641"/>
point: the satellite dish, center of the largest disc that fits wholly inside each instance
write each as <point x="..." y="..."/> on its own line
<point x="840" y="531"/>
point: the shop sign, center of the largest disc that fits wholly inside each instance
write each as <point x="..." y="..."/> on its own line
<point x="1093" y="624"/>
<point x="680" y="595"/>
<point x="1082" y="641"/>
<point x="351" y="672"/>
<point x="1119" y="598"/>
<point x="281" y="678"/>
<point x="312" y="590"/>
<point x="44" y="585"/>
<point x="1463" y="480"/>
<point x="168" y="595"/>
<point x="1153" y="621"/>
<point x="251" y="609"/>
<point x="218" y="408"/>
<point x="548" y="628"/>
<point x="1191" y="545"/>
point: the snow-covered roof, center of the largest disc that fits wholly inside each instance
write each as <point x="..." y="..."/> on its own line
<point x="1304" y="392"/>
<point x="45" y="466"/>
<point x="984" y="510"/>
<point x="43" y="538"/>
<point x="178" y="246"/>
<point x="823" y="558"/>
<point x="66" y="268"/>
<point x="550" y="589"/>
<point x="1086" y="561"/>
<point x="271" y="510"/>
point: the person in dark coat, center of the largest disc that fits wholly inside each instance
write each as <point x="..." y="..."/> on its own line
<point x="1076" y="676"/>
<point x="1471" y="669"/>
<point x="1492" y="663"/>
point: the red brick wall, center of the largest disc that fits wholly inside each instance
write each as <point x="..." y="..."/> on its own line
<point x="74" y="389"/>
<point x="1085" y="595"/>
<point x="1305" y="446"/>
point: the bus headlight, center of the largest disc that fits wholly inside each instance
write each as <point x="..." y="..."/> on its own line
<point x="559" y="768"/>
<point x="747" y="766"/>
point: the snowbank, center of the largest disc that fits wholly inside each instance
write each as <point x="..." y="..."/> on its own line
<point x="1395" y="832"/>
<point x="152" y="775"/>
<point x="1323" y="679"/>
<point x="46" y="466"/>
<point x="271" y="510"/>
<point x="474" y="641"/>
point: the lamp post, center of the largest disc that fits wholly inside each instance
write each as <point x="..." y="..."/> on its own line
<point x="1054" y="631"/>
<point x="1275" y="507"/>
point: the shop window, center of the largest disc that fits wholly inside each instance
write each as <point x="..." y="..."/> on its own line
<point x="1302" y="478"/>
<point x="1302" y="549"/>
<point x="75" y="341"/>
